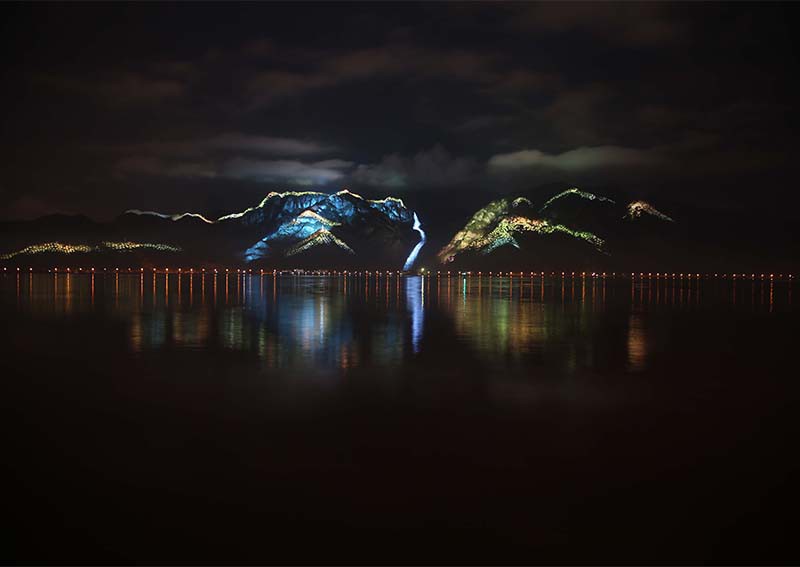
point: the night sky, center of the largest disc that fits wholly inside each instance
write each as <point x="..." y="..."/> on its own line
<point x="208" y="108"/>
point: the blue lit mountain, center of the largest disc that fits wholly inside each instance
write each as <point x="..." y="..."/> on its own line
<point x="291" y="229"/>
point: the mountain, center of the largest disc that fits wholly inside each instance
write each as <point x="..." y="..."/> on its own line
<point x="290" y="229"/>
<point x="548" y="227"/>
<point x="570" y="229"/>
<point x="291" y="224"/>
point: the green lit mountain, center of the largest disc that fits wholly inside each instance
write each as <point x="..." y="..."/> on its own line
<point x="569" y="229"/>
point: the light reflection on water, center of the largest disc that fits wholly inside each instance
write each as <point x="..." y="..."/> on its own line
<point x="415" y="295"/>
<point x="637" y="344"/>
<point x="191" y="404"/>
<point x="346" y="322"/>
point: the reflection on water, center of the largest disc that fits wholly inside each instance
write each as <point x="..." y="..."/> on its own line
<point x="184" y="408"/>
<point x="344" y="322"/>
<point x="415" y="295"/>
<point x="637" y="346"/>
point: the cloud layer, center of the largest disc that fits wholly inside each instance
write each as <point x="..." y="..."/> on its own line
<point x="255" y="97"/>
<point x="580" y="159"/>
<point x="430" y="168"/>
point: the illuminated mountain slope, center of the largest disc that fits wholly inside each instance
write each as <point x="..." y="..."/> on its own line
<point x="62" y="248"/>
<point x="499" y="224"/>
<point x="574" y="191"/>
<point x="281" y="231"/>
<point x="638" y="208"/>
<point x="557" y="231"/>
<point x="294" y="222"/>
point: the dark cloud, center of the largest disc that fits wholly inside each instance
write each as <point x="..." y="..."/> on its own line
<point x="159" y="167"/>
<point x="481" y="122"/>
<point x="691" y="100"/>
<point x="225" y="156"/>
<point x="229" y="143"/>
<point x="434" y="168"/>
<point x="628" y="23"/>
<point x="284" y="171"/>
<point x="490" y="71"/>
<point x="431" y="168"/>
<point x="580" y="159"/>
<point x="577" y="115"/>
<point x="290" y="171"/>
<point x="121" y="87"/>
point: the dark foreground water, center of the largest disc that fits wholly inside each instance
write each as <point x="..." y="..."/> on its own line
<point x="294" y="419"/>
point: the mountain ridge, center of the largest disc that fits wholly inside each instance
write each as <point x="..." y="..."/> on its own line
<point x="558" y="225"/>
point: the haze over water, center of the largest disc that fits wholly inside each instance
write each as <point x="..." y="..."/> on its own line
<point x="443" y="418"/>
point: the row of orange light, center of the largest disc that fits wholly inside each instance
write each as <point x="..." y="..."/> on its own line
<point x="226" y="270"/>
<point x="623" y="274"/>
<point x="439" y="273"/>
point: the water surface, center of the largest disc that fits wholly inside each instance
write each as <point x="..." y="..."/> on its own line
<point x="237" y="417"/>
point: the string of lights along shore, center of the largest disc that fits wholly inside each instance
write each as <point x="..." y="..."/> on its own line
<point x="236" y="287"/>
<point x="397" y="273"/>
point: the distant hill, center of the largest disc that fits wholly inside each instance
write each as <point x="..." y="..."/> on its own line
<point x="291" y="229"/>
<point x="549" y="227"/>
<point x="569" y="229"/>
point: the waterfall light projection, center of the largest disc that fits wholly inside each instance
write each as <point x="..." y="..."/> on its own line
<point x="574" y="191"/>
<point x="494" y="226"/>
<point x="415" y="252"/>
<point x="637" y="208"/>
<point x="61" y="248"/>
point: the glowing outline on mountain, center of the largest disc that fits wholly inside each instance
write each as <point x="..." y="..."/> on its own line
<point x="579" y="193"/>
